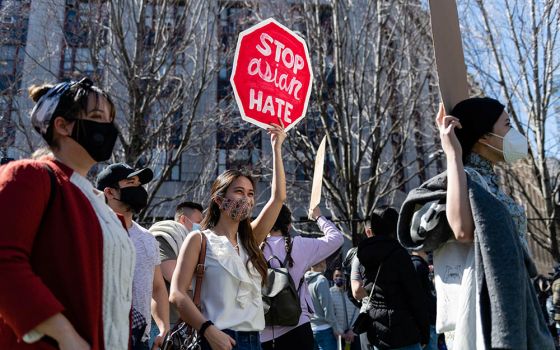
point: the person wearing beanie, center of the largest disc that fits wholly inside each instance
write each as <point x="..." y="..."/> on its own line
<point x="498" y="306"/>
<point x="66" y="260"/>
<point x="478" y="134"/>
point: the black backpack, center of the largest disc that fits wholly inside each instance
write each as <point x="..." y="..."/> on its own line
<point x="280" y="296"/>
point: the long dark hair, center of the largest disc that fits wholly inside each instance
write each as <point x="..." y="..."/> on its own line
<point x="219" y="189"/>
<point x="282" y="224"/>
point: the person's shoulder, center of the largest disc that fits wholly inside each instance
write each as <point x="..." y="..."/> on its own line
<point x="272" y="241"/>
<point x="301" y="242"/>
<point x="31" y="172"/>
<point x="24" y="166"/>
<point x="143" y="233"/>
<point x="143" y="229"/>
<point x="296" y="241"/>
<point x="323" y="279"/>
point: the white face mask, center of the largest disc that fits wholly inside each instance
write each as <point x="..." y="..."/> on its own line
<point x="514" y="146"/>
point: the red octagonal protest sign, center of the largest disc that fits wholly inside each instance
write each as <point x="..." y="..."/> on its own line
<point x="271" y="75"/>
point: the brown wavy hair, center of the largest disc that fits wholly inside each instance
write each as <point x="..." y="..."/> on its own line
<point x="219" y="189"/>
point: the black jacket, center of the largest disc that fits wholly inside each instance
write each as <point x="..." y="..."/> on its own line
<point x="423" y="272"/>
<point x="399" y="312"/>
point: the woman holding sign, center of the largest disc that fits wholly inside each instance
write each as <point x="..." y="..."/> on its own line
<point x="497" y="307"/>
<point x="232" y="310"/>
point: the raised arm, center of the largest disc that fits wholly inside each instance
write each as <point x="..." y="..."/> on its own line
<point x="263" y="223"/>
<point x="325" y="246"/>
<point x="458" y="208"/>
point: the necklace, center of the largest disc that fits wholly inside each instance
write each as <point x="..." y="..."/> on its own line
<point x="235" y="246"/>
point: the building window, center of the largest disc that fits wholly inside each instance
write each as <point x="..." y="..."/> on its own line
<point x="175" y="174"/>
<point x="240" y="150"/>
<point x="161" y="163"/>
<point x="85" y="24"/>
<point x="234" y="18"/>
<point x="238" y="143"/>
<point x="14" y="20"/>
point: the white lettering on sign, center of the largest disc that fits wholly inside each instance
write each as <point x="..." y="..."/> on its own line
<point x="280" y="82"/>
<point x="283" y="109"/>
<point x="282" y="53"/>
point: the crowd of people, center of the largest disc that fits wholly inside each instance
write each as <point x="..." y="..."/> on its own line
<point x="451" y="270"/>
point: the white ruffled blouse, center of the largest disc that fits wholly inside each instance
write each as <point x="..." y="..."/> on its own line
<point x="231" y="292"/>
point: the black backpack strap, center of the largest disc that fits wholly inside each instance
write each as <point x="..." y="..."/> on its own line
<point x="298" y="292"/>
<point x="265" y="242"/>
<point x="52" y="194"/>
<point x="387" y="258"/>
<point x="272" y="258"/>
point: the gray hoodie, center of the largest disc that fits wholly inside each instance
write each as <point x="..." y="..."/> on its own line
<point x="319" y="290"/>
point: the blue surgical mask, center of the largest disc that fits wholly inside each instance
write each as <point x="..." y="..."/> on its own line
<point x="196" y="227"/>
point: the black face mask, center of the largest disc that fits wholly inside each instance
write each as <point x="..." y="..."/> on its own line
<point x="135" y="197"/>
<point x="98" y="139"/>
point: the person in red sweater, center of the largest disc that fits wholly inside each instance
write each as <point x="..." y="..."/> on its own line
<point x="66" y="261"/>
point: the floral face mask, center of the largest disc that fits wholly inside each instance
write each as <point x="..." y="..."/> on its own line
<point x="237" y="209"/>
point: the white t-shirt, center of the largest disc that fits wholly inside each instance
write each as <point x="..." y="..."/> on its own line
<point x="147" y="258"/>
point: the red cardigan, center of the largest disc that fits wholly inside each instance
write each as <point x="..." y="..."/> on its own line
<point x="49" y="267"/>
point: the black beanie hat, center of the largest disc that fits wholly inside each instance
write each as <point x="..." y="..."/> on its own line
<point x="477" y="116"/>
